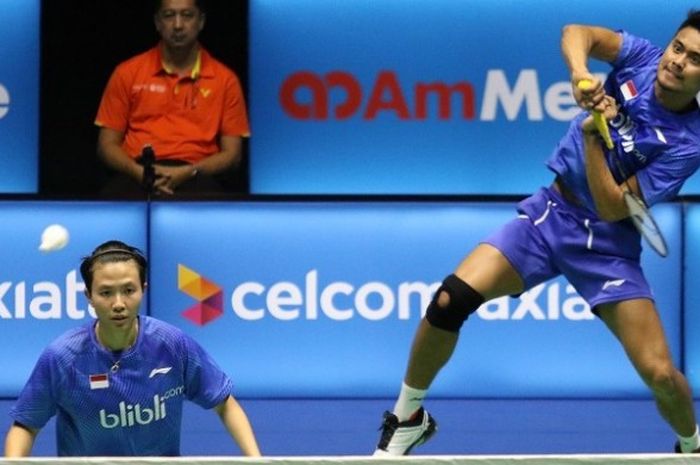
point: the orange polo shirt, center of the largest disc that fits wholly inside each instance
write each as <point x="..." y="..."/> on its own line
<point x="181" y="117"/>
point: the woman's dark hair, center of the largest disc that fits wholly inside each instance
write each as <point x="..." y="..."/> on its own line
<point x="109" y="252"/>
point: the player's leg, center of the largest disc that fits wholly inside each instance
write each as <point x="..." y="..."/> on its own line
<point x="483" y="275"/>
<point x="516" y="257"/>
<point x="637" y="326"/>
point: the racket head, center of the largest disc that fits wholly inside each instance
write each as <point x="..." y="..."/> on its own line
<point x="645" y="223"/>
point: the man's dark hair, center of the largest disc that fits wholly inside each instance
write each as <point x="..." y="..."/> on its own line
<point x="109" y="252"/>
<point x="201" y="4"/>
<point x="693" y="20"/>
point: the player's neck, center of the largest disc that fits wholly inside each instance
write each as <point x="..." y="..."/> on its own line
<point x="117" y="340"/>
<point x="674" y="101"/>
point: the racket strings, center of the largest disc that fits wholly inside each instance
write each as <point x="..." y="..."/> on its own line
<point x="639" y="213"/>
<point x="645" y="223"/>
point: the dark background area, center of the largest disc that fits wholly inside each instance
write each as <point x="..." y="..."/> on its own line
<point x="82" y="41"/>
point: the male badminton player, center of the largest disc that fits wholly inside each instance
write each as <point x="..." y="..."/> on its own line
<point x="579" y="226"/>
<point x="117" y="384"/>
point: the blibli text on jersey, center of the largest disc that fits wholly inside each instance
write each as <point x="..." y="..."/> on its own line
<point x="129" y="415"/>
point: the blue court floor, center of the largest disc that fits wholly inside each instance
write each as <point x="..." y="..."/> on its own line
<point x="294" y="427"/>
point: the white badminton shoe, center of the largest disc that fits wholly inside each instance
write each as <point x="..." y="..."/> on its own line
<point x="398" y="438"/>
<point x="677" y="449"/>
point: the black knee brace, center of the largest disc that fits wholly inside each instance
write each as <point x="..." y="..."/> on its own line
<point x="464" y="301"/>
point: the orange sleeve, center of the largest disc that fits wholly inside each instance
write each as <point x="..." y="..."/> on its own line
<point x="235" y="117"/>
<point x="114" y="107"/>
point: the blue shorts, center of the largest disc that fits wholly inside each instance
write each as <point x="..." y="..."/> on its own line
<point x="551" y="236"/>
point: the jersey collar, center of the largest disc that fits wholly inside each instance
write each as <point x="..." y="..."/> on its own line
<point x="201" y="66"/>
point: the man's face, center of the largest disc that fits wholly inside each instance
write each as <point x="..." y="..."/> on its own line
<point x="679" y="68"/>
<point x="116" y="294"/>
<point x="179" y="23"/>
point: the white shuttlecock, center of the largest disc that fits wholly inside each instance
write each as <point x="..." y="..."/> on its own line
<point x="54" y="237"/>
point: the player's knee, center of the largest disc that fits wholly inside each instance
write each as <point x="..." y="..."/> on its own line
<point x="661" y="379"/>
<point x="452" y="304"/>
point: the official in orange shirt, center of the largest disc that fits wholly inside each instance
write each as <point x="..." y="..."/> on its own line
<point x="182" y="102"/>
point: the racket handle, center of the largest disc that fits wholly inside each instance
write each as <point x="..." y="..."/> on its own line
<point x="600" y="123"/>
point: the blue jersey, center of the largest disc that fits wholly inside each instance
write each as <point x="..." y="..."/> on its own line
<point x="120" y="404"/>
<point x="660" y="147"/>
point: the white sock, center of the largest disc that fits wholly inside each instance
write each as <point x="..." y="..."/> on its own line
<point x="690" y="443"/>
<point x="410" y="399"/>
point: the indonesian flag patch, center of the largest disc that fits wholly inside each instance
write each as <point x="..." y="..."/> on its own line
<point x="100" y="381"/>
<point x="629" y="90"/>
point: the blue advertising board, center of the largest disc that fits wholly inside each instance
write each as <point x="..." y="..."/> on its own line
<point x="691" y="271"/>
<point x="413" y="97"/>
<point x="321" y="299"/>
<point x="19" y="96"/>
<point x="42" y="294"/>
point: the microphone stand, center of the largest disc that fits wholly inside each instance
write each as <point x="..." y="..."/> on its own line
<point x="147" y="159"/>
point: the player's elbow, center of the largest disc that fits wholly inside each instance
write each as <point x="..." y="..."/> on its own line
<point x="610" y="205"/>
<point x="572" y="29"/>
<point x="611" y="215"/>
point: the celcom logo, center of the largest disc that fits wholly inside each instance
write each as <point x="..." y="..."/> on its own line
<point x="4" y="101"/>
<point x="314" y="299"/>
<point x="339" y="300"/>
<point x="209" y="296"/>
<point x="305" y="95"/>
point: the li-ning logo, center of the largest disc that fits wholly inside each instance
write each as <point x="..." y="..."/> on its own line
<point x="160" y="371"/>
<point x="613" y="282"/>
<point x="209" y="296"/>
